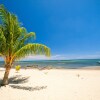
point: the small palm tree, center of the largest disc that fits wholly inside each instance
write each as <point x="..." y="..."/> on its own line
<point x="13" y="41"/>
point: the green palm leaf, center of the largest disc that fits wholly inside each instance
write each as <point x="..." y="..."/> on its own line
<point x="13" y="38"/>
<point x="13" y="41"/>
<point x="35" y="49"/>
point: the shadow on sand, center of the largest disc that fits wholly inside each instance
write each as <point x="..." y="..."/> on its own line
<point x="37" y="88"/>
<point x="18" y="79"/>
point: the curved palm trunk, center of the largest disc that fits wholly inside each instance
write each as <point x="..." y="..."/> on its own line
<point x="5" y="78"/>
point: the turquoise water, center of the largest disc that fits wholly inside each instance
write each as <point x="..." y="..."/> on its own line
<point x="73" y="64"/>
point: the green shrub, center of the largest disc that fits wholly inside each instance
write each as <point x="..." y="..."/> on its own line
<point x="17" y="68"/>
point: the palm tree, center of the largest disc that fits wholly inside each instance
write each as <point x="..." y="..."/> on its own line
<point x="13" y="41"/>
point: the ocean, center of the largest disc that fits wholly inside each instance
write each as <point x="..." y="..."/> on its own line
<point x="69" y="64"/>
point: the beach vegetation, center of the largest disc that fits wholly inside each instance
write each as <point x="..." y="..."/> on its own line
<point x="14" y="43"/>
<point x="18" y="67"/>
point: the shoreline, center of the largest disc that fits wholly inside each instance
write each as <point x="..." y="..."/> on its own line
<point x="60" y="68"/>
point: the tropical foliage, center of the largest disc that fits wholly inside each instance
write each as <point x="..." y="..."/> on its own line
<point x="13" y="41"/>
<point x="17" y="68"/>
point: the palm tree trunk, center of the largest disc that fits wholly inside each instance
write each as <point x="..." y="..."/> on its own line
<point x="5" y="78"/>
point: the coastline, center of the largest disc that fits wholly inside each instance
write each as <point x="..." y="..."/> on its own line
<point x="59" y="68"/>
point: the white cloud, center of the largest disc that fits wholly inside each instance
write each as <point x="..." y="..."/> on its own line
<point x="1" y="59"/>
<point x="40" y="57"/>
<point x="59" y="57"/>
<point x="32" y="57"/>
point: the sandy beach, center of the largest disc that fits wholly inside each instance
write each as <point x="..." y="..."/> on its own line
<point x="54" y="84"/>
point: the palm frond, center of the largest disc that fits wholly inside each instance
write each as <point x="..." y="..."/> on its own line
<point x="1" y="54"/>
<point x="2" y="40"/>
<point x="3" y="14"/>
<point x="14" y="42"/>
<point x="32" y="49"/>
<point x="20" y="43"/>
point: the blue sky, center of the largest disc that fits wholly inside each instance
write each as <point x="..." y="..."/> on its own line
<point x="71" y="28"/>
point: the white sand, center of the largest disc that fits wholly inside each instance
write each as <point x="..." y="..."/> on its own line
<point x="55" y="84"/>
